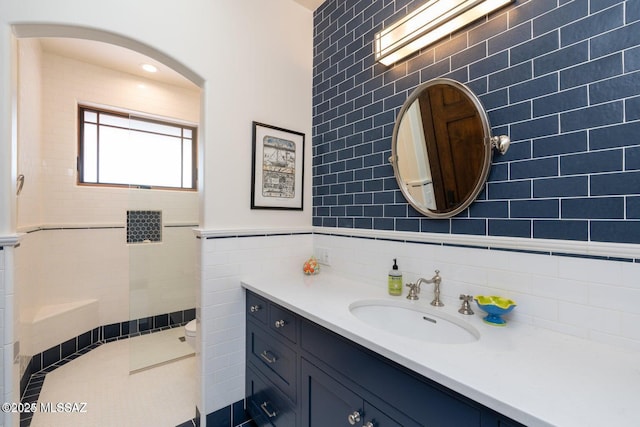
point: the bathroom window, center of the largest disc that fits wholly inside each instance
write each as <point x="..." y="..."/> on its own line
<point x="120" y="149"/>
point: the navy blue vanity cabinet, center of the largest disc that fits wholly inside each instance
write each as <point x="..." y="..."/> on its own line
<point x="299" y="373"/>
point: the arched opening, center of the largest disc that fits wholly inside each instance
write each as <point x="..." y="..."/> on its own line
<point x="75" y="32"/>
<point x="79" y="286"/>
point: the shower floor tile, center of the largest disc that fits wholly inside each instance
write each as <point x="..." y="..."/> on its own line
<point x="161" y="396"/>
<point x="159" y="347"/>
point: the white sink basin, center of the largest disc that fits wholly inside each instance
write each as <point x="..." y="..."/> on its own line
<point x="413" y="321"/>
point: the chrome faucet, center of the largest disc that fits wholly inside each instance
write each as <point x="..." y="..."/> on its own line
<point x="414" y="289"/>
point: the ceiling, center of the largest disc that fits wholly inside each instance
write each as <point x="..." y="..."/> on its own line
<point x="310" y="4"/>
<point x="114" y="57"/>
<point x="123" y="59"/>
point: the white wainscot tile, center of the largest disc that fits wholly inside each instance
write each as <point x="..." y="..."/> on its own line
<point x="222" y="323"/>
<point x="215" y="359"/>
<point x="221" y="245"/>
<point x="7" y="364"/>
<point x="532" y="263"/>
<point x="561" y="289"/>
<point x="277" y="266"/>
<point x="216" y="258"/>
<point x="615" y="298"/>
<point x="631" y="275"/>
<point x="388" y="248"/>
<point x="509" y="281"/>
<point x="230" y="373"/>
<point x="463" y="273"/>
<point x="8" y="317"/>
<point x="220" y="284"/>
<point x="590" y="270"/>
<point x="536" y="307"/>
<point x="217" y="271"/>
<point x="232" y="308"/>
<point x="590" y="317"/>
<point x="630" y="326"/>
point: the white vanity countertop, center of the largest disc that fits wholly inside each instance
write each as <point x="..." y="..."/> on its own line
<point x="535" y="376"/>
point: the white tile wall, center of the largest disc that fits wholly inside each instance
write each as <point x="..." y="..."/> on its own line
<point x="589" y="298"/>
<point x="225" y="263"/>
<point x="3" y="374"/>
<point x="67" y="82"/>
<point x="30" y="129"/>
<point x="10" y="375"/>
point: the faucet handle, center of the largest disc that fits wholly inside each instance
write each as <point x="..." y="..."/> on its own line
<point x="414" y="290"/>
<point x="466" y="307"/>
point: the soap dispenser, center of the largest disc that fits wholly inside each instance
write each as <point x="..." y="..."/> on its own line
<point x="395" y="280"/>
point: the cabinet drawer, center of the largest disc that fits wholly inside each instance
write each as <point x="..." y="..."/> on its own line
<point x="283" y="322"/>
<point x="257" y="308"/>
<point x="273" y="358"/>
<point x="266" y="404"/>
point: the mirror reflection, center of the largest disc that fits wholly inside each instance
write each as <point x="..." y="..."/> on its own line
<point x="442" y="148"/>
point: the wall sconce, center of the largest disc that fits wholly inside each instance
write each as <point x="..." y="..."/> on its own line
<point x="427" y="24"/>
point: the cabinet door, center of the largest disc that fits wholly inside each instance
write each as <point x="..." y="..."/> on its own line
<point x="326" y="402"/>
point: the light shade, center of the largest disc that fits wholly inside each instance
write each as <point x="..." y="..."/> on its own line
<point x="427" y="24"/>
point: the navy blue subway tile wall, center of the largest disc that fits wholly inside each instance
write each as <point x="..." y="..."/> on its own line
<point x="562" y="78"/>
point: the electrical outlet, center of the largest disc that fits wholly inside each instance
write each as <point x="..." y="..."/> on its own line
<point x="322" y="255"/>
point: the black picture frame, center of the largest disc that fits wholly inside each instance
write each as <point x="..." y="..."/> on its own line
<point x="277" y="168"/>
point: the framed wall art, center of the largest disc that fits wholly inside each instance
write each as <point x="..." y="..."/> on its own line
<point x="277" y="168"/>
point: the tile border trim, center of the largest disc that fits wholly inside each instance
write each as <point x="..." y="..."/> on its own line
<point x="625" y="252"/>
<point x="592" y="250"/>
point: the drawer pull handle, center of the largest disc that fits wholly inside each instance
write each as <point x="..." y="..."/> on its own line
<point x="369" y="424"/>
<point x="268" y="356"/>
<point x="354" y="418"/>
<point x="254" y="308"/>
<point x="270" y="414"/>
<point x="280" y="323"/>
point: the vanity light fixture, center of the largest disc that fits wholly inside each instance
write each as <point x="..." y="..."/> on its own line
<point x="427" y="24"/>
<point x="149" y="68"/>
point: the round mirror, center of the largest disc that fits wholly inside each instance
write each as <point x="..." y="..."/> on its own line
<point x="441" y="148"/>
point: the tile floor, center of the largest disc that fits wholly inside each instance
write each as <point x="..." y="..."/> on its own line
<point x="160" y="396"/>
<point x="159" y="347"/>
